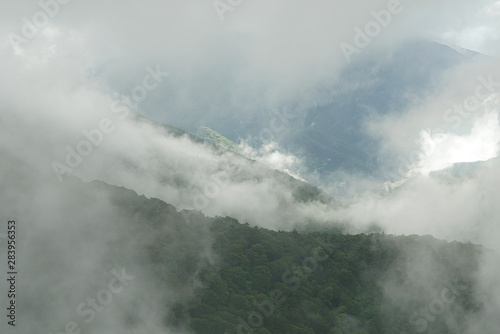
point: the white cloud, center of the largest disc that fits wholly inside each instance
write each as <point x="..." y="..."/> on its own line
<point x="493" y="9"/>
<point x="271" y="155"/>
<point x="447" y="148"/>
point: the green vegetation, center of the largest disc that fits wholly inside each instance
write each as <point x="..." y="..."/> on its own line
<point x="287" y="282"/>
<point x="217" y="139"/>
<point x="233" y="278"/>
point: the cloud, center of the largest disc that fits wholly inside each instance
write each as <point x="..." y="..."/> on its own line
<point x="447" y="149"/>
<point x="261" y="56"/>
<point x="493" y="9"/>
<point x="271" y="155"/>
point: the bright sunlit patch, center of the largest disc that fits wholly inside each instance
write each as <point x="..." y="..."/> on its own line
<point x="271" y="155"/>
<point x="443" y="150"/>
<point x="482" y="38"/>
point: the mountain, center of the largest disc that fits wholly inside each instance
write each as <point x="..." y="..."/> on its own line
<point x="334" y="134"/>
<point x="331" y="135"/>
<point x="465" y="170"/>
<point x="170" y="232"/>
<point x="196" y="174"/>
<point x="210" y="275"/>
<point x="121" y="259"/>
<point x="287" y="282"/>
<point x="217" y="139"/>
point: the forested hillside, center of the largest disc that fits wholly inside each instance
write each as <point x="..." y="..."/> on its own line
<point x="256" y="280"/>
<point x="286" y="282"/>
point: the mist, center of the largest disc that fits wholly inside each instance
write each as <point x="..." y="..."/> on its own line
<point x="79" y="82"/>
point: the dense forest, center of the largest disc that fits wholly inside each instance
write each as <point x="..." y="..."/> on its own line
<point x="253" y="280"/>
<point x="286" y="282"/>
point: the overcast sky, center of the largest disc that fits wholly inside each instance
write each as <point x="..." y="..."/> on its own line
<point x="260" y="55"/>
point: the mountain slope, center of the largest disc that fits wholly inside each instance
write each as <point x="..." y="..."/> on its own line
<point x="334" y="134"/>
<point x="204" y="274"/>
<point x="330" y="132"/>
<point x="286" y="282"/>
